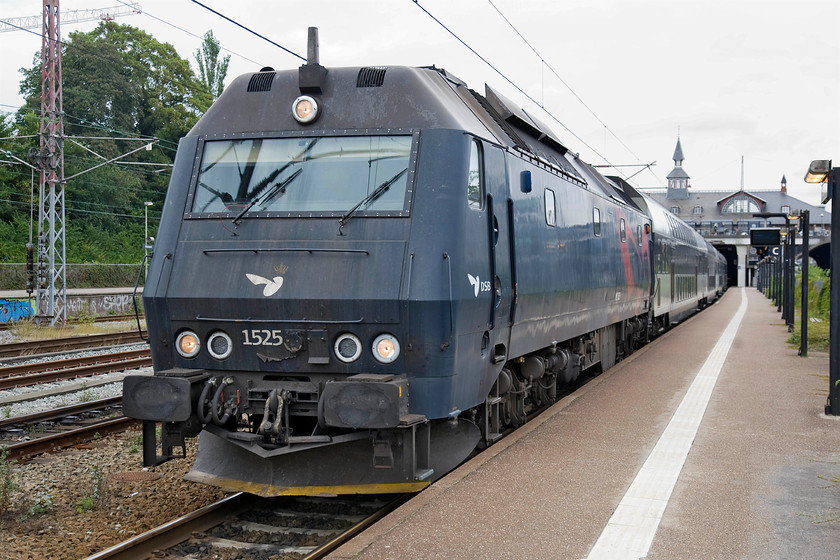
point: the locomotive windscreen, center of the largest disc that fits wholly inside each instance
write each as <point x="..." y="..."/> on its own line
<point x="329" y="174"/>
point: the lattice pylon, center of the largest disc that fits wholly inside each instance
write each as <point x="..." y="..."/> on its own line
<point x="51" y="214"/>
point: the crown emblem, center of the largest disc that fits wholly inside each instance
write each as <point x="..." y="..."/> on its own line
<point x="281" y="268"/>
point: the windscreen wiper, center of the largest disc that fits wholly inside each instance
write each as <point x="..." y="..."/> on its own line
<point x="223" y="196"/>
<point x="270" y="193"/>
<point x="374" y="194"/>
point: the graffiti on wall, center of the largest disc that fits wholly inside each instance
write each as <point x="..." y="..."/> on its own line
<point x="15" y="310"/>
<point x="12" y="310"/>
<point x="95" y="306"/>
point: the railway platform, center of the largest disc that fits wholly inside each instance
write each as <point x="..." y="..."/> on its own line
<point x="710" y="442"/>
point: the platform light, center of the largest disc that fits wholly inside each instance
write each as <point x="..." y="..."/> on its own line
<point x="821" y="171"/>
<point x="818" y="172"/>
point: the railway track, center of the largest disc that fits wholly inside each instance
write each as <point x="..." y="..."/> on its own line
<point x="309" y="528"/>
<point x="20" y="375"/>
<point x="62" y="427"/>
<point x="18" y="349"/>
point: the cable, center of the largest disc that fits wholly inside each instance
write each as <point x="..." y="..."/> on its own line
<point x="21" y="28"/>
<point x="303" y="58"/>
<point x="78" y="210"/>
<point x="511" y="82"/>
<point x="83" y="123"/>
<point x="508" y="80"/>
<point x="145" y="13"/>
<point x="562" y="81"/>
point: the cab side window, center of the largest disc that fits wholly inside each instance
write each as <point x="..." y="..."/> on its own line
<point x="475" y="178"/>
<point x="550" y="208"/>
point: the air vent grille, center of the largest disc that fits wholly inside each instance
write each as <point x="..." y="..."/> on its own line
<point x="261" y="81"/>
<point x="371" y="77"/>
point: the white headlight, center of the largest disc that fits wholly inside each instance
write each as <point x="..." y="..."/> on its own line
<point x="348" y="348"/>
<point x="386" y="348"/>
<point x="304" y="109"/>
<point x="187" y="344"/>
<point x="219" y="345"/>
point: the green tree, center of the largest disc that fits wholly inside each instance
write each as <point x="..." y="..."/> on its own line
<point x="16" y="183"/>
<point x="120" y="78"/>
<point x="211" y="69"/>
<point x="119" y="83"/>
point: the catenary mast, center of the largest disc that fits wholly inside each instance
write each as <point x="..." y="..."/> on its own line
<point x="52" y="270"/>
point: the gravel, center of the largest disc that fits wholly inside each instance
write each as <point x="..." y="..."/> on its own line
<point x="36" y="359"/>
<point x="42" y="397"/>
<point x="77" y="502"/>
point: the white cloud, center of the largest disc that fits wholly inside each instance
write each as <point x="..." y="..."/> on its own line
<point x="739" y="77"/>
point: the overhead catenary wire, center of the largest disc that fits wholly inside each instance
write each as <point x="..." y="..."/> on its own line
<point x="249" y="30"/>
<point x="199" y="37"/>
<point x="545" y="64"/>
<point x="84" y="123"/>
<point x="509" y="80"/>
<point x="531" y="98"/>
<point x="80" y="211"/>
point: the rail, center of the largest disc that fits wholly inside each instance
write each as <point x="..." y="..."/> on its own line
<point x="18" y="349"/>
<point x="21" y="375"/>
<point x="228" y="511"/>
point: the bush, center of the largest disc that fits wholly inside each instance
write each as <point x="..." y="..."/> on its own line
<point x="7" y="480"/>
<point x="819" y="288"/>
<point x="13" y="276"/>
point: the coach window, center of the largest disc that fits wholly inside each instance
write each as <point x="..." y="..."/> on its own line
<point x="550" y="209"/>
<point x="596" y="221"/>
<point x="475" y="179"/>
<point x="622" y="228"/>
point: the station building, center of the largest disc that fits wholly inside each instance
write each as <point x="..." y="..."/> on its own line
<point x="725" y="218"/>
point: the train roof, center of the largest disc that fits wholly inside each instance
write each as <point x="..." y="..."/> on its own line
<point x="395" y="98"/>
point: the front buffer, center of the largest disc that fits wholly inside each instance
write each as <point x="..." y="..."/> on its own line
<point x="404" y="459"/>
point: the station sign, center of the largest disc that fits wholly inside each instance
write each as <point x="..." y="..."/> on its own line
<point x="765" y="237"/>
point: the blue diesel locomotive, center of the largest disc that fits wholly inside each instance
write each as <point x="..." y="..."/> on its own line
<point x="361" y="274"/>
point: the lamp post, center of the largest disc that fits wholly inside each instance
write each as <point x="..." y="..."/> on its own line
<point x="821" y="171"/>
<point x="805" y="216"/>
<point x="781" y="291"/>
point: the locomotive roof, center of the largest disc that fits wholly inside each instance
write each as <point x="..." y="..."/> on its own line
<point x="377" y="98"/>
<point x="349" y="99"/>
<point x="393" y="98"/>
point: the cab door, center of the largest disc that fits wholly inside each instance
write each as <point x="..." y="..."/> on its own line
<point x="499" y="208"/>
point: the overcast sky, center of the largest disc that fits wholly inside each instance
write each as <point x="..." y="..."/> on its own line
<point x="752" y="78"/>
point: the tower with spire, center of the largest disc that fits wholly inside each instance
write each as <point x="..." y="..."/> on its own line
<point x="678" y="179"/>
